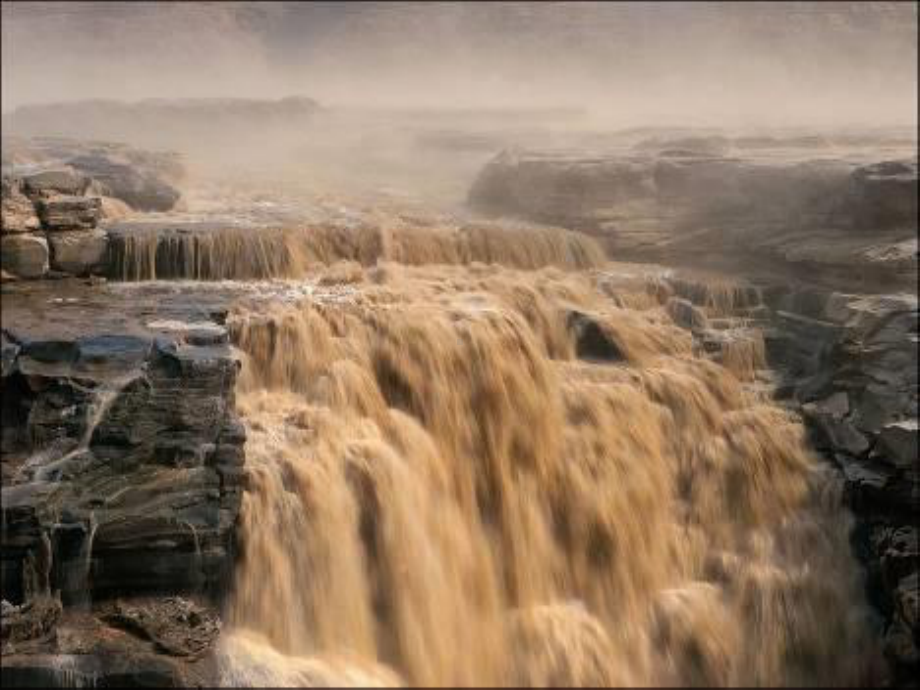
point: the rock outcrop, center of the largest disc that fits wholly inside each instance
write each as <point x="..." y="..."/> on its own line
<point x="693" y="207"/>
<point x="59" y="212"/>
<point x="132" y="457"/>
<point x="144" y="180"/>
<point x="58" y="192"/>
<point x="848" y="363"/>
<point x="78" y="253"/>
<point x="24" y="256"/>
<point x="142" y="189"/>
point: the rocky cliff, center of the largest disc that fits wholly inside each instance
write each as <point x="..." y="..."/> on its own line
<point x="122" y="463"/>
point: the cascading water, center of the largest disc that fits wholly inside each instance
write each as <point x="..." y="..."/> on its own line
<point x="43" y="466"/>
<point x="441" y="492"/>
<point x="253" y="254"/>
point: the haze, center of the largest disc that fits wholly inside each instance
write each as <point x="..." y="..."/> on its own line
<point x="712" y="64"/>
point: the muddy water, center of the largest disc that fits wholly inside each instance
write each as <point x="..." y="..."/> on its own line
<point x="441" y="492"/>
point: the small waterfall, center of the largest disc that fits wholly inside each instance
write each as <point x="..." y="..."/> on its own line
<point x="67" y="673"/>
<point x="80" y="582"/>
<point x="257" y="254"/>
<point x="41" y="467"/>
<point x="196" y="564"/>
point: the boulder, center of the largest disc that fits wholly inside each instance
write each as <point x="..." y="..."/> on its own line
<point x="68" y="212"/>
<point x="140" y="188"/>
<point x="898" y="443"/>
<point x="18" y="212"/>
<point x="685" y="314"/>
<point x="50" y="182"/>
<point x="79" y="252"/>
<point x="836" y="433"/>
<point x="24" y="256"/>
<point x="884" y="194"/>
<point x="593" y="342"/>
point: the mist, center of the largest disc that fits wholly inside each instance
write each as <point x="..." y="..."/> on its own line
<point x="621" y="64"/>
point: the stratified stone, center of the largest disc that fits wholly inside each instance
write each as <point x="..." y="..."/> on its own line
<point x="78" y="252"/>
<point x="685" y="314"/>
<point x="18" y="212"/>
<point x="898" y="443"/>
<point x="68" y="212"/>
<point x="49" y="182"/>
<point x="24" y="256"/>
<point x="827" y="417"/>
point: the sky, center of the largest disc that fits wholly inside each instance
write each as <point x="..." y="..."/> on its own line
<point x="634" y="63"/>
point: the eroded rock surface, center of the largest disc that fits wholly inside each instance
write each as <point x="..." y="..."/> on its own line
<point x="122" y="459"/>
<point x="689" y="206"/>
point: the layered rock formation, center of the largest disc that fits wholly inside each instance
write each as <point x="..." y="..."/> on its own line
<point x="691" y="203"/>
<point x="56" y="193"/>
<point x="144" y="180"/>
<point x="49" y="225"/>
<point x="122" y="459"/>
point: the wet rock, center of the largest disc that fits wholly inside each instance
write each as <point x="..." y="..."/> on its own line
<point x="68" y="212"/>
<point x="51" y="182"/>
<point x="835" y="432"/>
<point x="900" y="555"/>
<point x="592" y="341"/>
<point x="139" y="188"/>
<point x="80" y="252"/>
<point x="8" y="353"/>
<point x="900" y="645"/>
<point x="685" y="314"/>
<point x="24" y="256"/>
<point x="139" y="438"/>
<point x="898" y="443"/>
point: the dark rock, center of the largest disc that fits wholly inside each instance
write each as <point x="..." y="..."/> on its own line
<point x="68" y="212"/>
<point x="33" y="619"/>
<point x="835" y="432"/>
<point x="885" y="194"/>
<point x="25" y="256"/>
<point x="898" y="443"/>
<point x="107" y="670"/>
<point x="157" y="429"/>
<point x="175" y="625"/>
<point x="8" y="353"/>
<point x="105" y="356"/>
<point x="592" y="341"/>
<point x="685" y="314"/>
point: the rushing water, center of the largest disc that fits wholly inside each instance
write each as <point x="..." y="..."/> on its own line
<point x="441" y="492"/>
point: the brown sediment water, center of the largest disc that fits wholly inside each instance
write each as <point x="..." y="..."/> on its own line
<point x="441" y="493"/>
<point x="244" y="253"/>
